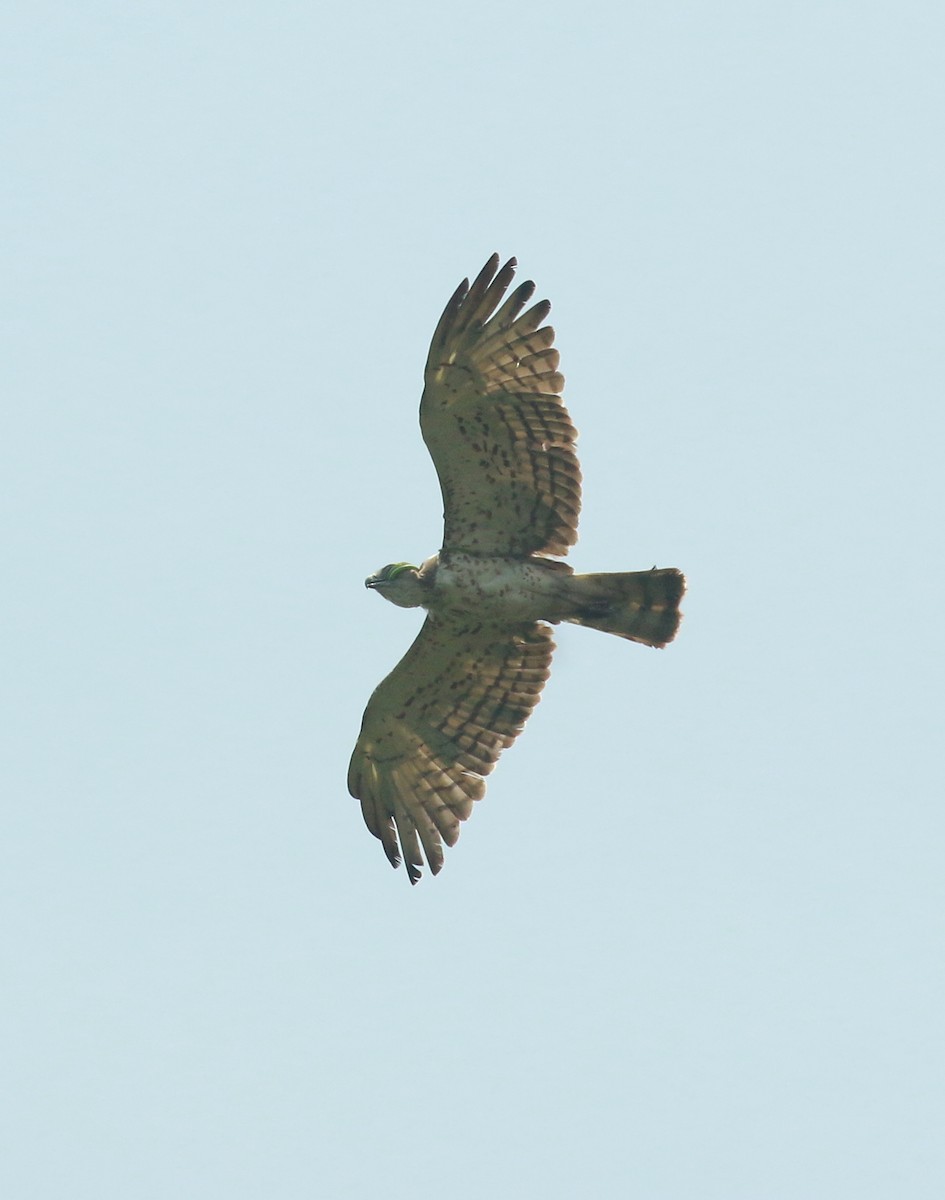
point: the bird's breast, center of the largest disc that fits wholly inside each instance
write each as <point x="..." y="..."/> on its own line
<point x="495" y="588"/>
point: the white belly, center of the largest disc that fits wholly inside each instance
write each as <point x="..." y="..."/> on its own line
<point x="497" y="588"/>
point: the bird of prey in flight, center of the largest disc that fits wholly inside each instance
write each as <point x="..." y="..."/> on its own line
<point x="502" y="443"/>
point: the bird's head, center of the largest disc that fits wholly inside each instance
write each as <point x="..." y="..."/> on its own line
<point x="400" y="583"/>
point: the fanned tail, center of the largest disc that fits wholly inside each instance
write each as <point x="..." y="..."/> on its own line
<point x="642" y="606"/>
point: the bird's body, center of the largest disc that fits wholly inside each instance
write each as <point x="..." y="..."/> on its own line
<point x="490" y="588"/>
<point x="458" y="586"/>
<point x="503" y="446"/>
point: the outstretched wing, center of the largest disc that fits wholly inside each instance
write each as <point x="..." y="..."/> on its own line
<point x="493" y="421"/>
<point x="435" y="727"/>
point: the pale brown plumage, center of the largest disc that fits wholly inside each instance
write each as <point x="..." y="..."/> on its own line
<point x="503" y="446"/>
<point x="491" y="415"/>
<point x="435" y="728"/>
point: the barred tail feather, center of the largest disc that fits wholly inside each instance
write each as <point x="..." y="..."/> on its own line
<point x="642" y="606"/>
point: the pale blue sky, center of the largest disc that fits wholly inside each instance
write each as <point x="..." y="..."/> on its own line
<point x="690" y="946"/>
